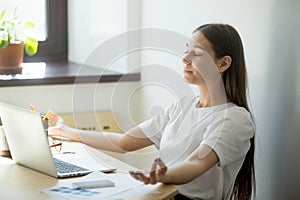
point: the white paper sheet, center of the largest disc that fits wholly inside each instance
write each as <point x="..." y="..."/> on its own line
<point x="124" y="187"/>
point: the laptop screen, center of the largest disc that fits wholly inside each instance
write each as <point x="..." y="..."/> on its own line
<point x="27" y="139"/>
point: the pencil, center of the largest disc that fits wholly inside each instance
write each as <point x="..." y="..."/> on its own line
<point x="48" y="114"/>
<point x="31" y="107"/>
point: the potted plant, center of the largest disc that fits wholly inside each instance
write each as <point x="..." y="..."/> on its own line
<point x="14" y="39"/>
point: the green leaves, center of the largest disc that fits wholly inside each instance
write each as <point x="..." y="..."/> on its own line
<point x="3" y="43"/>
<point x="31" y="46"/>
<point x="29" y="25"/>
<point x="2" y="14"/>
<point x="12" y="30"/>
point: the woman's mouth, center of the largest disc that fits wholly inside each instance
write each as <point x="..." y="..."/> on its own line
<point x="187" y="70"/>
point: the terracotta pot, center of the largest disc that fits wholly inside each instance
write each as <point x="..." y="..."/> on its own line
<point x="11" y="59"/>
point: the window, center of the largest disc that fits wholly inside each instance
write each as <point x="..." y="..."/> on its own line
<point x="29" y="10"/>
<point x="54" y="48"/>
<point x="50" y="18"/>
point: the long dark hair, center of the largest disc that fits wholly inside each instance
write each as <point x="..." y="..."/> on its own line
<point x="225" y="40"/>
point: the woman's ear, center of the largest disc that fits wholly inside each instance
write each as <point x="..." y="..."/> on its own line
<point x="224" y="63"/>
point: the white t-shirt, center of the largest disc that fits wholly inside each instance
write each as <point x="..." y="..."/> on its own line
<point x="182" y="127"/>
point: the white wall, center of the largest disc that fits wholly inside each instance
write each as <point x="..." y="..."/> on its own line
<point x="90" y="24"/>
<point x="101" y="30"/>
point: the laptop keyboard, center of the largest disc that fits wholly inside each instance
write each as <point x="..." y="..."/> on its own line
<point x="65" y="167"/>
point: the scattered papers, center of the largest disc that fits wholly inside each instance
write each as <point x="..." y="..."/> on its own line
<point x="124" y="186"/>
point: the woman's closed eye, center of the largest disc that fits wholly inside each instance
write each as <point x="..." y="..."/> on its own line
<point x="195" y="52"/>
<point x="198" y="51"/>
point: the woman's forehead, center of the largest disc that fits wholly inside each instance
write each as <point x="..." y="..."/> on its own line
<point x="199" y="40"/>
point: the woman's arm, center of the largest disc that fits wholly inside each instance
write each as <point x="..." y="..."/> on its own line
<point x="129" y="141"/>
<point x="201" y="160"/>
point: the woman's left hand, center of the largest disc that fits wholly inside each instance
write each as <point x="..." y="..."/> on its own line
<point x="158" y="171"/>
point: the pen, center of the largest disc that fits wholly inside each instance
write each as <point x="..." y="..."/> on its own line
<point x="47" y="114"/>
<point x="31" y="107"/>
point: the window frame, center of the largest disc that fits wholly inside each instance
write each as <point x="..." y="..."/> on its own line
<point x="55" y="47"/>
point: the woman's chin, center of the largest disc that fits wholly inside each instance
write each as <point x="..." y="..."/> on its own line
<point x="187" y="77"/>
<point x="188" y="80"/>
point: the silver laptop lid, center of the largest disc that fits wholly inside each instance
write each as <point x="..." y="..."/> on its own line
<point x="27" y="139"/>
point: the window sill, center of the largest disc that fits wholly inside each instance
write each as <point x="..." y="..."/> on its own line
<point x="63" y="73"/>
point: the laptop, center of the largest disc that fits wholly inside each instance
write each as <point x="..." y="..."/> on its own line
<point x="29" y="145"/>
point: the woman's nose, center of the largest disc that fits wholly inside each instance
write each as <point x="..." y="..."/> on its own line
<point x="186" y="60"/>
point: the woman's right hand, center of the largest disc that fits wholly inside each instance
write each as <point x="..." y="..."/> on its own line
<point x="62" y="130"/>
<point x="57" y="129"/>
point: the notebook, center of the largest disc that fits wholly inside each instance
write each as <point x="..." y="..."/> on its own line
<point x="29" y="145"/>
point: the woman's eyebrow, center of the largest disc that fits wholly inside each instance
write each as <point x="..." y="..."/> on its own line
<point x="195" y="46"/>
<point x="198" y="46"/>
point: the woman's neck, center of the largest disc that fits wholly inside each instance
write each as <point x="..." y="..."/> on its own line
<point x="205" y="101"/>
<point x="214" y="96"/>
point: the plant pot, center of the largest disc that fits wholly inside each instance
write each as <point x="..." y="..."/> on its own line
<point x="11" y="59"/>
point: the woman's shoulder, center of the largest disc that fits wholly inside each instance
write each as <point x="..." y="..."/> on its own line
<point x="238" y="111"/>
<point x="239" y="115"/>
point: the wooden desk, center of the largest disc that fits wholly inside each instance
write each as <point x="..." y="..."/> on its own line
<point x="18" y="182"/>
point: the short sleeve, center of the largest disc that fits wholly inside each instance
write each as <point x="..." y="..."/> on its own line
<point x="230" y="136"/>
<point x="155" y="126"/>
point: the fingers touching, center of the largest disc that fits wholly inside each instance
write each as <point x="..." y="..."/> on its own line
<point x="158" y="170"/>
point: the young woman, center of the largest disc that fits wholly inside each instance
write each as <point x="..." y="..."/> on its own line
<point x="205" y="142"/>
